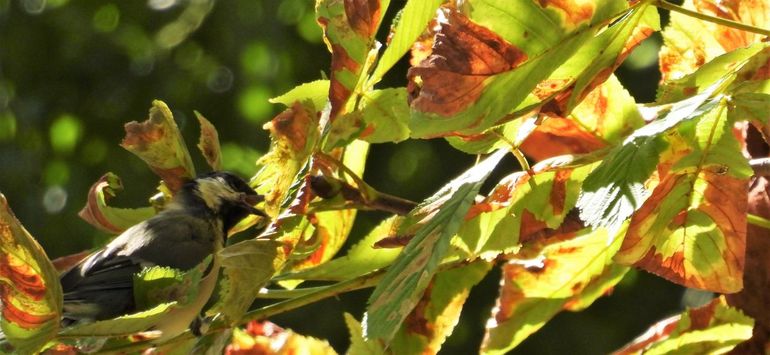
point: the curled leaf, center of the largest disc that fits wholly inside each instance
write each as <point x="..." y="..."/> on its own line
<point x="159" y="143"/>
<point x="110" y="219"/>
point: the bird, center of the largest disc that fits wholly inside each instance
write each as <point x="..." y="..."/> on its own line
<point x="193" y="226"/>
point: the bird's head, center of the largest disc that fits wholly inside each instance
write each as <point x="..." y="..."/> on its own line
<point x="224" y="195"/>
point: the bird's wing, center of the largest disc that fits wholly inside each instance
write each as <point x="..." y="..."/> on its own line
<point x="101" y="286"/>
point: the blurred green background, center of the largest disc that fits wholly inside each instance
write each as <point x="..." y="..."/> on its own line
<point x="72" y="73"/>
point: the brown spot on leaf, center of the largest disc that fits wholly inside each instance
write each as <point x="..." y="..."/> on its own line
<point x="574" y="13"/>
<point x="417" y="320"/>
<point x="559" y="190"/>
<point x="24" y="279"/>
<point x="338" y="91"/>
<point x="558" y="136"/>
<point x="464" y="55"/>
<point x="292" y="126"/>
<point x="363" y="16"/>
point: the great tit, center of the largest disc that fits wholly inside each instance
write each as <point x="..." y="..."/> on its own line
<point x="193" y="226"/>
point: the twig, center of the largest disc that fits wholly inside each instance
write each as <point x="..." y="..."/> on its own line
<point x="760" y="166"/>
<point x="364" y="281"/>
<point x="718" y="20"/>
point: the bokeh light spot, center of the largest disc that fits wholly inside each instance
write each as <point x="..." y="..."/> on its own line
<point x="220" y="80"/>
<point x="57" y="172"/>
<point x="65" y="133"/>
<point x="256" y="60"/>
<point x="309" y="30"/>
<point x="94" y="151"/>
<point x="54" y="199"/>
<point x="107" y="18"/>
<point x="409" y="158"/>
<point x="253" y="104"/>
<point x="33" y="7"/>
<point x="240" y="159"/>
<point x="160" y="5"/>
<point x="291" y="11"/>
<point x="7" y="126"/>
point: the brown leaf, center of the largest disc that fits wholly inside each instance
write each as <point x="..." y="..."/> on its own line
<point x="464" y="54"/>
<point x="558" y="136"/>
<point x="363" y="16"/>
<point x="209" y="143"/>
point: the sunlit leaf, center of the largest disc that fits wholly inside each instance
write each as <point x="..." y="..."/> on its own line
<point x="160" y="144"/>
<point x="358" y="344"/>
<point x="30" y="293"/>
<point x="209" y="143"/>
<point x="707" y="74"/>
<point x="267" y="338"/>
<point x="293" y="134"/>
<point x="519" y="208"/>
<point x="123" y="326"/>
<point x="485" y="64"/>
<point x="617" y="187"/>
<point x="248" y="266"/>
<point x="407" y="27"/>
<point x="690" y="42"/>
<point x="158" y="284"/>
<point x="558" y="136"/>
<point x="438" y="311"/>
<point x="362" y="258"/>
<point x="692" y="229"/>
<point x="715" y="328"/>
<point x="571" y="272"/>
<point x="330" y="228"/>
<point x="349" y="28"/>
<point x="408" y="277"/>
<point x="750" y="106"/>
<point x="383" y="117"/>
<point x="110" y="219"/>
<point x="315" y="91"/>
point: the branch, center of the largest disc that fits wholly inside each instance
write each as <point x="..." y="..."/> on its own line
<point x="760" y="166"/>
<point x="718" y="20"/>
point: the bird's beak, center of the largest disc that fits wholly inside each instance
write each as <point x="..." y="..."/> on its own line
<point x="249" y="201"/>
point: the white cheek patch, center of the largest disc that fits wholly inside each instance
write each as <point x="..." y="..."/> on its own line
<point x="214" y="190"/>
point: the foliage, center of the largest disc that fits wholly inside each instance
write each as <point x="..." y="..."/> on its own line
<point x="661" y="186"/>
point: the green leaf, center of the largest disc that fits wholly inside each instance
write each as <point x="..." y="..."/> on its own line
<point x="437" y="313"/>
<point x="31" y="297"/>
<point x="750" y="106"/>
<point x="330" y="228"/>
<point x="707" y="74"/>
<point x="570" y="273"/>
<point x="383" y="117"/>
<point x="406" y="280"/>
<point x="159" y="143"/>
<point x="349" y="30"/>
<point x="315" y="91"/>
<point x="511" y="47"/>
<point x="361" y="259"/>
<point x="293" y="136"/>
<point x="520" y="205"/>
<point x="358" y="344"/>
<point x="111" y="219"/>
<point x="613" y="191"/>
<point x="715" y="328"/>
<point x="159" y="284"/>
<point x="122" y="326"/>
<point x="248" y="266"/>
<point x="409" y="24"/>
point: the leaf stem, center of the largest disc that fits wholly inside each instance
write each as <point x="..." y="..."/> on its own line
<point x="758" y="221"/>
<point x="364" y="281"/>
<point x="717" y="20"/>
